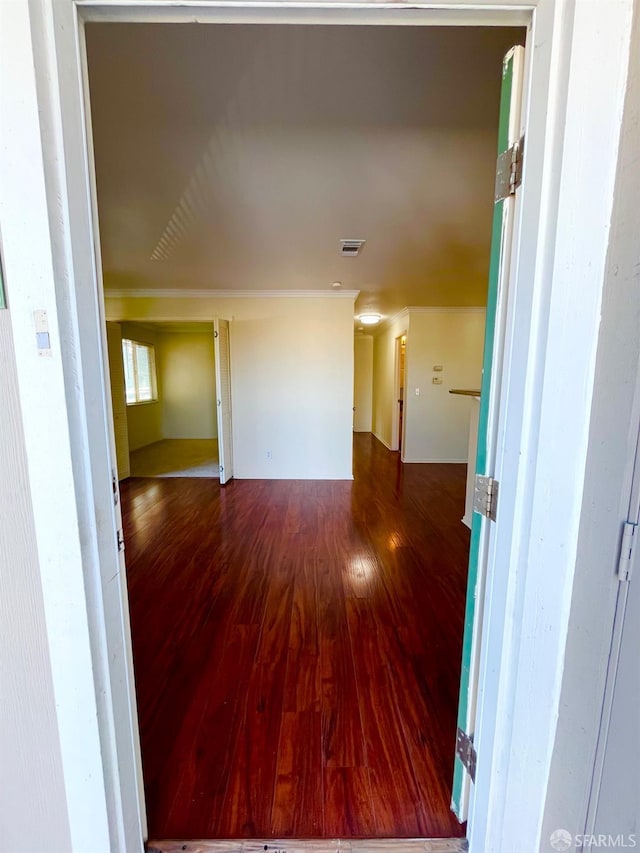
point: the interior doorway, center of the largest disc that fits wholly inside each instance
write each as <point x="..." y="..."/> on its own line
<point x="345" y="778"/>
<point x="163" y="393"/>
<point x="400" y="360"/>
<point x="73" y="297"/>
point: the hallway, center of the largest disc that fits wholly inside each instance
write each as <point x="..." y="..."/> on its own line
<point x="297" y="649"/>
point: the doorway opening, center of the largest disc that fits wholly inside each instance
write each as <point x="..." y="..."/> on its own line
<point x="401" y="353"/>
<point x="170" y="428"/>
<point x="285" y="645"/>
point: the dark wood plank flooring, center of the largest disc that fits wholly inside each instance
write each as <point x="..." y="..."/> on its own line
<point x="297" y="650"/>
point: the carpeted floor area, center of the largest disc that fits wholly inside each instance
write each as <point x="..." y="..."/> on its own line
<point x="171" y="457"/>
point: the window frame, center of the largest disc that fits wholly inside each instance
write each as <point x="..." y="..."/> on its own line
<point x="152" y="372"/>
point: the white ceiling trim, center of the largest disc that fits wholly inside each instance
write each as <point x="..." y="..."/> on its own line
<point x="404" y="13"/>
<point x="425" y="309"/>
<point x="230" y="294"/>
<point x="389" y="321"/>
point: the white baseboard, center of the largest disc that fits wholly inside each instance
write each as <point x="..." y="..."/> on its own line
<point x="244" y="475"/>
<point x="382" y="441"/>
<point x="421" y="461"/>
<point x="466" y="521"/>
<point x="437" y="461"/>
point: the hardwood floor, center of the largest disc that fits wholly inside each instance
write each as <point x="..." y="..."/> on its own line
<point x="297" y="650"/>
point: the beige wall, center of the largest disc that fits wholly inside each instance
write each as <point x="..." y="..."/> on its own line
<point x="437" y="422"/>
<point x="33" y="811"/>
<point x="144" y="421"/>
<point x="362" y="383"/>
<point x="384" y="399"/>
<point x="187" y="373"/>
<point x="291" y="378"/>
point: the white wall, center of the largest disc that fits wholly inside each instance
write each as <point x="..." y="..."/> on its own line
<point x="186" y="370"/>
<point x="385" y="407"/>
<point x="437" y="422"/>
<point x="144" y="420"/>
<point x="291" y="377"/>
<point x="54" y="760"/>
<point x="605" y="502"/>
<point x="29" y="744"/>
<point x="363" y="383"/>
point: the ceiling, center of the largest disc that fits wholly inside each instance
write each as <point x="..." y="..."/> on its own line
<point x="237" y="157"/>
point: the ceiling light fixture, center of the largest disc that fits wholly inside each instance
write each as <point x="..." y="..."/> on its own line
<point x="369" y="319"/>
<point x="336" y="284"/>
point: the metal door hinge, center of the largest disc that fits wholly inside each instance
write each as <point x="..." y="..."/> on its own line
<point x="120" y="539"/>
<point x="114" y="486"/>
<point x="485" y="497"/>
<point x="509" y="170"/>
<point x="625" y="560"/>
<point x="466" y="752"/>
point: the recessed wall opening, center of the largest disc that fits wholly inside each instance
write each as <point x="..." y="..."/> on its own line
<point x="297" y="633"/>
<point x="163" y="393"/>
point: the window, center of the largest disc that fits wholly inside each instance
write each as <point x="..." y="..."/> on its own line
<point x="139" y="372"/>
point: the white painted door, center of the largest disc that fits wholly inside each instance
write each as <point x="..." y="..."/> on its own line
<point x="223" y="398"/>
<point x="118" y="398"/>
<point x="616" y="790"/>
<point x="510" y="131"/>
<point x="116" y="607"/>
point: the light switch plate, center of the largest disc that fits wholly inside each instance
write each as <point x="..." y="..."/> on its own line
<point x="43" y="341"/>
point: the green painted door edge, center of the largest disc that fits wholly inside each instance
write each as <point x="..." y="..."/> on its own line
<point x="483" y="424"/>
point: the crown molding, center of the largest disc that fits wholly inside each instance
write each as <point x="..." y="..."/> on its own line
<point x="407" y="311"/>
<point x="400" y="315"/>
<point x="230" y="294"/>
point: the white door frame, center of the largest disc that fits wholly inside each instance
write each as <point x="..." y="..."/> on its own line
<point x="397" y="440"/>
<point x="576" y="75"/>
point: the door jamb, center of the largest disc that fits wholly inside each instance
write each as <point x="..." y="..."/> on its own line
<point x="397" y="440"/>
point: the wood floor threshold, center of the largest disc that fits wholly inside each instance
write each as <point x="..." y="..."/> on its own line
<point x="325" y="845"/>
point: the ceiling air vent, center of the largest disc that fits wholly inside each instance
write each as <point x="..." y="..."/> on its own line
<point x="350" y="248"/>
